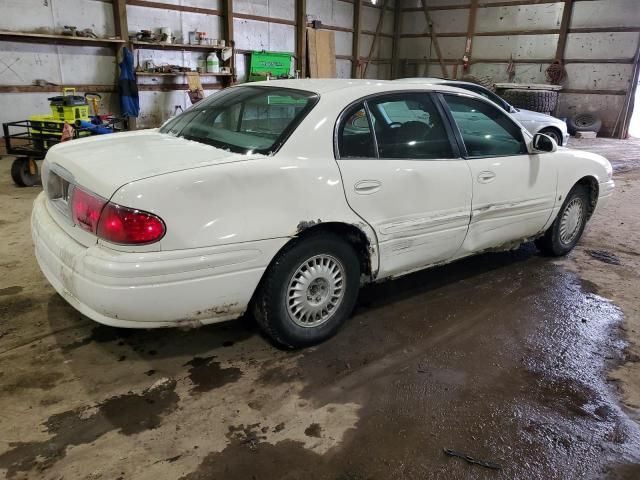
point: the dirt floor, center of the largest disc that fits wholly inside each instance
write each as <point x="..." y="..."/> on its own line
<point x="525" y="362"/>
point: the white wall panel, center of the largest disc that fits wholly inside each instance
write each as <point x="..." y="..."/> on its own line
<point x="371" y="16"/>
<point x="343" y="68"/>
<point x="601" y="45"/>
<point x="36" y="16"/>
<point x="331" y="12"/>
<point x="384" y="46"/>
<point x="601" y="13"/>
<point x="267" y="8"/>
<point x="526" y="17"/>
<point x="598" y="76"/>
<point x="520" y="46"/>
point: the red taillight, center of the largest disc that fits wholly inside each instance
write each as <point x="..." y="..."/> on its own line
<point x="113" y="222"/>
<point x="125" y="225"/>
<point x="86" y="209"/>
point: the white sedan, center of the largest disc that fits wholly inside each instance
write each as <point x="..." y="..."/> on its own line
<point x="286" y="196"/>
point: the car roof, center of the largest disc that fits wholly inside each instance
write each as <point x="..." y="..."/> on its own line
<point x="435" y="81"/>
<point x="359" y="87"/>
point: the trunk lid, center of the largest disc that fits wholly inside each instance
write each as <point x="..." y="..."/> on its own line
<point x="102" y="164"/>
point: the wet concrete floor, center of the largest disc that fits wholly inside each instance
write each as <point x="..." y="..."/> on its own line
<point x="503" y="357"/>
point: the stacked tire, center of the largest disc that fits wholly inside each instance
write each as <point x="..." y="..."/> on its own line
<point x="543" y="101"/>
<point x="486" y="82"/>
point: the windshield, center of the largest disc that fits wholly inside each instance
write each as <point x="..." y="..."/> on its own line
<point x="244" y="120"/>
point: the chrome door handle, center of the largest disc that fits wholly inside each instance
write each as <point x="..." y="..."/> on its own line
<point x="486" y="177"/>
<point x="367" y="187"/>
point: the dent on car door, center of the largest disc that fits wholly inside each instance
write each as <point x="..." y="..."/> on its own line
<point x="403" y="176"/>
<point x="513" y="192"/>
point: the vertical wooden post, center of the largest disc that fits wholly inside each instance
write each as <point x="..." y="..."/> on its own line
<point x="567" y="12"/>
<point x="120" y="19"/>
<point x="627" y="109"/>
<point x="227" y="12"/>
<point x="122" y="30"/>
<point x="395" y="52"/>
<point x="301" y="37"/>
<point x="434" y="38"/>
<point x="355" y="44"/>
<point x="471" y="29"/>
<point x="375" y="38"/>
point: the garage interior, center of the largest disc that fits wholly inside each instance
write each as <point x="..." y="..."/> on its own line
<point x="516" y="364"/>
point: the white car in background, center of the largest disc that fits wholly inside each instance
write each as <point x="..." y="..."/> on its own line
<point x="286" y="196"/>
<point x="534" y="122"/>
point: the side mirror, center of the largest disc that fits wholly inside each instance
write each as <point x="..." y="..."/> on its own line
<point x="543" y="143"/>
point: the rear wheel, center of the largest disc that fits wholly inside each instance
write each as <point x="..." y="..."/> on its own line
<point x="566" y="230"/>
<point x="24" y="172"/>
<point x="309" y="291"/>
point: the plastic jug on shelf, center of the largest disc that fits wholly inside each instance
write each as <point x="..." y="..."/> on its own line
<point x="213" y="63"/>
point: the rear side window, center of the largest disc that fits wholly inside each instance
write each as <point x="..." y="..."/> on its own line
<point x="408" y="126"/>
<point x="485" y="130"/>
<point x="355" y="138"/>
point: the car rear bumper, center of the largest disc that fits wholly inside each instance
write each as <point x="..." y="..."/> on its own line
<point x="149" y="290"/>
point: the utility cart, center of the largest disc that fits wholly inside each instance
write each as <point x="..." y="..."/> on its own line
<point x="20" y="142"/>
<point x="29" y="140"/>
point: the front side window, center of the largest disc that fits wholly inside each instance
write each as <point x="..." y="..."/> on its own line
<point x="244" y="119"/>
<point x="409" y="126"/>
<point x="485" y="130"/>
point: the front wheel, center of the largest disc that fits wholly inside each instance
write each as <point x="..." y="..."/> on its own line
<point x="563" y="235"/>
<point x="308" y="291"/>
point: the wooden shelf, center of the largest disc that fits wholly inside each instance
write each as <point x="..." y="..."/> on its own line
<point x="152" y="74"/>
<point x="58" y="39"/>
<point x="55" y="88"/>
<point x="173" y="46"/>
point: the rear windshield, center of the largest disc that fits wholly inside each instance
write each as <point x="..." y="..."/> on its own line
<point x="244" y="119"/>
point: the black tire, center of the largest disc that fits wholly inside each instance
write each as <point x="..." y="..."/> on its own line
<point x="272" y="303"/>
<point x="543" y="101"/>
<point x="584" y="122"/>
<point x="553" y="133"/>
<point x="551" y="243"/>
<point x="21" y="172"/>
<point x="486" y="82"/>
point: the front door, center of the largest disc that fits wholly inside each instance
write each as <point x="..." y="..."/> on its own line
<point x="403" y="175"/>
<point x="513" y="192"/>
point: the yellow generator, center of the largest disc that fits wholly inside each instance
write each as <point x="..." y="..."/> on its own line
<point x="46" y="130"/>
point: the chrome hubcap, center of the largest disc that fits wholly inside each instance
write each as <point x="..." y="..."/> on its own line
<point x="315" y="291"/>
<point x="571" y="221"/>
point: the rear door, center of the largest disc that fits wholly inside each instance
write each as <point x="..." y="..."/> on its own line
<point x="403" y="175"/>
<point x="514" y="192"/>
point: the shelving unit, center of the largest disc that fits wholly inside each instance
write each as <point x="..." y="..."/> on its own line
<point x="227" y="78"/>
<point x="26" y="37"/>
<point x="173" y="81"/>
<point x="173" y="46"/>
<point x="181" y="74"/>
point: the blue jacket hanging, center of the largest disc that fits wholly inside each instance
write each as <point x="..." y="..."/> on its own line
<point x="127" y="86"/>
